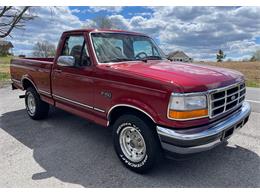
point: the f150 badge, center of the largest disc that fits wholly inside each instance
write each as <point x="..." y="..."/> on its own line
<point x="106" y="94"/>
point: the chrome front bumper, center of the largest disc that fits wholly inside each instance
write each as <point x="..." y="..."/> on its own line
<point x="200" y="139"/>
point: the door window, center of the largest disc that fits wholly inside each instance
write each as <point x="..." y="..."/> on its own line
<point x="76" y="46"/>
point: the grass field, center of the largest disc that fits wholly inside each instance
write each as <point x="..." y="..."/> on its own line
<point x="4" y="70"/>
<point x="251" y="70"/>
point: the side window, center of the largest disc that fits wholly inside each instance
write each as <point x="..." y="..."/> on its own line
<point x="75" y="46"/>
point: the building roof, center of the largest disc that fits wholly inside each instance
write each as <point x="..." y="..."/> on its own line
<point x="6" y="43"/>
<point x="178" y="54"/>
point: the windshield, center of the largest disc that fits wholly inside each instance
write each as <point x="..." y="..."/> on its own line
<point x="116" y="47"/>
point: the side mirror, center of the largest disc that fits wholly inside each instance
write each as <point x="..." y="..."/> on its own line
<point x="66" y="61"/>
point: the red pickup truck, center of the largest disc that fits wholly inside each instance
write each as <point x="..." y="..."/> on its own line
<point x="123" y="80"/>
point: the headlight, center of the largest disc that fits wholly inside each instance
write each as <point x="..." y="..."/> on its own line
<point x="185" y="107"/>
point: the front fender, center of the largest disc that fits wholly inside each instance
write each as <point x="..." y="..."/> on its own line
<point x="135" y="104"/>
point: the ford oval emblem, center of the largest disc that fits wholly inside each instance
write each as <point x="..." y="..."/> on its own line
<point x="233" y="97"/>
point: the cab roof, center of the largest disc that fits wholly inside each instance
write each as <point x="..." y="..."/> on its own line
<point x="88" y="30"/>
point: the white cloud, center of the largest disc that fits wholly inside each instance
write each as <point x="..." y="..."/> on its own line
<point x="75" y="11"/>
<point x="47" y="26"/>
<point x="89" y="23"/>
<point x="140" y="14"/>
<point x="112" y="9"/>
<point x="199" y="31"/>
<point x="120" y="22"/>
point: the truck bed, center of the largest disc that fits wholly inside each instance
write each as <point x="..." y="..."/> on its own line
<point x="37" y="70"/>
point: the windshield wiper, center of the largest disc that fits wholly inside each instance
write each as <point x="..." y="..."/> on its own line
<point x="150" y="58"/>
<point x="118" y="60"/>
<point x="130" y="59"/>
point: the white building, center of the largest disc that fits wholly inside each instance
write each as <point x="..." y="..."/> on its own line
<point x="179" y="56"/>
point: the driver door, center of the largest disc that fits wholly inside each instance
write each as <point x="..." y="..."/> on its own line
<point x="73" y="85"/>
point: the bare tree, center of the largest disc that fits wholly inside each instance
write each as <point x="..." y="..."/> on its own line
<point x="44" y="49"/>
<point x="103" y="22"/>
<point x="13" y="18"/>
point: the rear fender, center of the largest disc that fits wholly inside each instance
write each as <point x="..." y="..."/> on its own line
<point x="28" y="78"/>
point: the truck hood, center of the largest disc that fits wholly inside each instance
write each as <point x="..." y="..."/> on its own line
<point x="188" y="77"/>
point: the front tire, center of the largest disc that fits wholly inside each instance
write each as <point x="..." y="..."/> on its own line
<point x="35" y="107"/>
<point x="136" y="143"/>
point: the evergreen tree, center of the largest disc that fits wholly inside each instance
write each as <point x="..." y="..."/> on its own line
<point x="220" y="56"/>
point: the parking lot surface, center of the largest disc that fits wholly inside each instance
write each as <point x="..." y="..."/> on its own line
<point x="67" y="151"/>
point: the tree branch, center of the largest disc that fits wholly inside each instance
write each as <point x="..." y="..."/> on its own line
<point x="13" y="20"/>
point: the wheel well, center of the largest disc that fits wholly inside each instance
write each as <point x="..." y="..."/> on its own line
<point x="120" y="110"/>
<point x="27" y="83"/>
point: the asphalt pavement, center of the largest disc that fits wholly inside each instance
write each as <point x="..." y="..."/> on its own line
<point x="68" y="151"/>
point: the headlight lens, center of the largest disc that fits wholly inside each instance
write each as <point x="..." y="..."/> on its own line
<point x="185" y="107"/>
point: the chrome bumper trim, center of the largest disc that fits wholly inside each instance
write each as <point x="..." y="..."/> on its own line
<point x="232" y="121"/>
<point x="44" y="92"/>
<point x="190" y="150"/>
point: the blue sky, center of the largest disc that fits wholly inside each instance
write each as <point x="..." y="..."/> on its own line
<point x="198" y="31"/>
<point x="87" y="13"/>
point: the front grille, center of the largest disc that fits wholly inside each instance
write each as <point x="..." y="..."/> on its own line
<point x="226" y="99"/>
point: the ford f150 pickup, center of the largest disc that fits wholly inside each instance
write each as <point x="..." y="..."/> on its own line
<point x="123" y="80"/>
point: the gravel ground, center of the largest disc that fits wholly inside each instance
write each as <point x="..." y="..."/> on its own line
<point x="67" y="151"/>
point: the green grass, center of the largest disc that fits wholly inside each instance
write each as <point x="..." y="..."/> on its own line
<point x="5" y="59"/>
<point x="4" y="70"/>
<point x="4" y="76"/>
<point x="4" y="79"/>
<point x="251" y="83"/>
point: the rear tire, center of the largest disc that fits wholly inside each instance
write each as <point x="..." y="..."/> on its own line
<point x="136" y="143"/>
<point x="35" y="107"/>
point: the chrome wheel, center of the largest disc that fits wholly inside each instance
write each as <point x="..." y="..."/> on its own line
<point x="132" y="144"/>
<point x="31" y="103"/>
